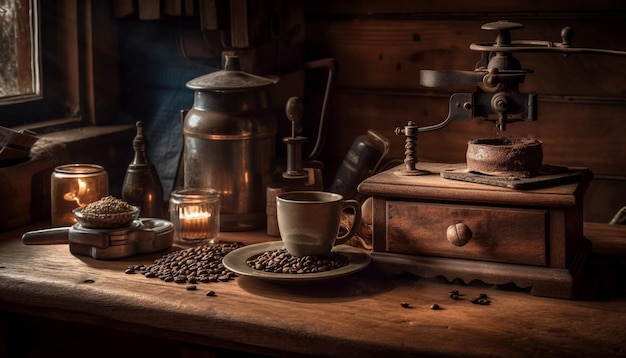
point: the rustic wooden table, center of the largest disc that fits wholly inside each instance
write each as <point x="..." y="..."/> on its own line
<point x="45" y="291"/>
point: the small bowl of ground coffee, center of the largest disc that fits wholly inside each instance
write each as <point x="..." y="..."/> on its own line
<point x="107" y="213"/>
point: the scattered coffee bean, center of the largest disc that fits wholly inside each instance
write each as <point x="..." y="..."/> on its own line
<point x="405" y="305"/>
<point x="480" y="300"/>
<point x="130" y="271"/>
<point x="281" y="261"/>
<point x="455" y="295"/>
<point x="191" y="288"/>
<point x="210" y="293"/>
<point x="434" y="306"/>
<point x="192" y="265"/>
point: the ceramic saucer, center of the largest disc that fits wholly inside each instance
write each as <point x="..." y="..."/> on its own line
<point x="236" y="262"/>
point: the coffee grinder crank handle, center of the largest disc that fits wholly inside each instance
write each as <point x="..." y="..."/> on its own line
<point x="460" y="109"/>
<point x="564" y="47"/>
<point x="500" y="75"/>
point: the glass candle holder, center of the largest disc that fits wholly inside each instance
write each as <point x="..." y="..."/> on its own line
<point x="73" y="186"/>
<point x="195" y="214"/>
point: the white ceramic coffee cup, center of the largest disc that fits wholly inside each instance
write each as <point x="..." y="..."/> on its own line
<point x="309" y="221"/>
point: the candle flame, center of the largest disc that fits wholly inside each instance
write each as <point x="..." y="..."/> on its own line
<point x="77" y="195"/>
<point x="194" y="212"/>
<point x="194" y="223"/>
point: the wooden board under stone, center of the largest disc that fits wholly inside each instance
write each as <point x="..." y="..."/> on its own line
<point x="549" y="176"/>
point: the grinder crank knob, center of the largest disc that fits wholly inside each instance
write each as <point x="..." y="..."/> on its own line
<point x="458" y="234"/>
<point x="294" y="111"/>
<point x="503" y="28"/>
<point x="567" y="35"/>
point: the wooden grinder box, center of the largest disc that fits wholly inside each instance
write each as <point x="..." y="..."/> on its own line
<point x="431" y="226"/>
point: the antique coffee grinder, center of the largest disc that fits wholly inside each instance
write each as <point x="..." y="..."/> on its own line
<point x="229" y="142"/>
<point x="504" y="216"/>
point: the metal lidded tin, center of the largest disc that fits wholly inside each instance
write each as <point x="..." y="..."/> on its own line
<point x="229" y="143"/>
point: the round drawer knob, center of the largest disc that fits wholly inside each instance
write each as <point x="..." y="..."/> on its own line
<point x="458" y="234"/>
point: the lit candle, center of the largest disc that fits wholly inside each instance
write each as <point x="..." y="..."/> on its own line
<point x="195" y="214"/>
<point x="75" y="185"/>
<point x="195" y="223"/>
<point x="77" y="195"/>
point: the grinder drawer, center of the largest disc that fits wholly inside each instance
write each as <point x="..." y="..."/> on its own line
<point x="509" y="235"/>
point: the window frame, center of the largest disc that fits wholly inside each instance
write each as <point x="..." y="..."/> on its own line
<point x="27" y="48"/>
<point x="79" y="69"/>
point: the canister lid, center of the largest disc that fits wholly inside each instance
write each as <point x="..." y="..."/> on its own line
<point x="231" y="78"/>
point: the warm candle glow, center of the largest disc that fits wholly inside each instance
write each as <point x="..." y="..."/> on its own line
<point x="195" y="223"/>
<point x="75" y="185"/>
<point x="195" y="215"/>
<point x="78" y="195"/>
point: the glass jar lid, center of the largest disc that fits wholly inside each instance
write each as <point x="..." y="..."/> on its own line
<point x="195" y="195"/>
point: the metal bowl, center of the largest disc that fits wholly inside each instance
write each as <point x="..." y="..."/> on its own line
<point x="106" y="221"/>
<point x="514" y="157"/>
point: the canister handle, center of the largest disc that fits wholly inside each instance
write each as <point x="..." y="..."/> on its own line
<point x="55" y="235"/>
<point x="331" y="65"/>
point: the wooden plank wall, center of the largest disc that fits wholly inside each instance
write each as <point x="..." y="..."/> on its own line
<point x="380" y="47"/>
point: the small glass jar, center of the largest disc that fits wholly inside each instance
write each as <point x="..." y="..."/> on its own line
<point x="195" y="214"/>
<point x="73" y="186"/>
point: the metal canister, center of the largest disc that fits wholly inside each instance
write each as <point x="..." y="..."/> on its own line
<point x="229" y="143"/>
<point x="362" y="160"/>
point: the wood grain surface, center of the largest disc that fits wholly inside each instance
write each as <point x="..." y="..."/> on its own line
<point x="356" y="316"/>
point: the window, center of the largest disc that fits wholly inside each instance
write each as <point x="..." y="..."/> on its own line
<point x="56" y="63"/>
<point x="19" y="54"/>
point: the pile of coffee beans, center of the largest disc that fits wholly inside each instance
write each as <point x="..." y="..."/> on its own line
<point x="107" y="205"/>
<point x="192" y="265"/>
<point x="281" y="261"/>
<point x="107" y="213"/>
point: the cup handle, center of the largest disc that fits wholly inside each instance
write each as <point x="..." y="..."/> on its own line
<point x="356" y="224"/>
